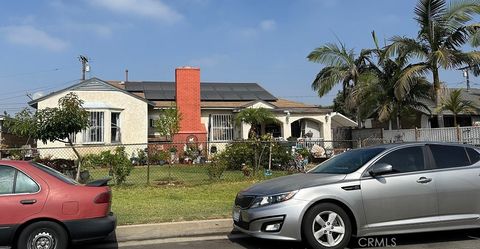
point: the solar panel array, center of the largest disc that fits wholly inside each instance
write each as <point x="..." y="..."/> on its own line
<point x="208" y="91"/>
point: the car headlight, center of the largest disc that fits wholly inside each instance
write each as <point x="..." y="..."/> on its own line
<point x="272" y="199"/>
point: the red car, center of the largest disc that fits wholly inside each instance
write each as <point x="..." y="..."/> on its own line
<point x="42" y="208"/>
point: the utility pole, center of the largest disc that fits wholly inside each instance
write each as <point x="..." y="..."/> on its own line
<point x="85" y="67"/>
<point x="466" y="75"/>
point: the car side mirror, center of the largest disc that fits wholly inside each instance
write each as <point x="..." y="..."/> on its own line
<point x="380" y="169"/>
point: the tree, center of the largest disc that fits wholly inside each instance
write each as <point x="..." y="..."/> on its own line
<point x="255" y="117"/>
<point x="342" y="65"/>
<point x="52" y="124"/>
<point x="443" y="31"/>
<point x="380" y="91"/>
<point x="168" y="122"/>
<point x="456" y="104"/>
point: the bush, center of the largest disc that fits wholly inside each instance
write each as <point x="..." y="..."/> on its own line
<point x="158" y="157"/>
<point x="236" y="154"/>
<point x="65" y="166"/>
<point x="216" y="168"/>
<point x="119" y="164"/>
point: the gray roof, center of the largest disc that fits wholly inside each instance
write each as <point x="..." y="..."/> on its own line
<point x="92" y="84"/>
<point x="472" y="95"/>
<point x="209" y="91"/>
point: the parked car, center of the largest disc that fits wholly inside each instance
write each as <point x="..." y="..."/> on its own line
<point x="386" y="189"/>
<point x="41" y="208"/>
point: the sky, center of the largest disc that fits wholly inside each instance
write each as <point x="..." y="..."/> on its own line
<point x="263" y="41"/>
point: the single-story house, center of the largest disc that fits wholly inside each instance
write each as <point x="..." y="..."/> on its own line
<point x="122" y="112"/>
<point x="427" y="118"/>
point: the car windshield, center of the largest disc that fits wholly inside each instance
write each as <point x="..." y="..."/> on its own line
<point x="347" y="162"/>
<point x="55" y="173"/>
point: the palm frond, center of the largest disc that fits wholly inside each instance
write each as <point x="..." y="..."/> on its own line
<point x="331" y="55"/>
<point x="407" y="77"/>
<point x="327" y="78"/>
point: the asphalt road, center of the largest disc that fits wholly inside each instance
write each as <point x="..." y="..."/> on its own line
<point x="466" y="239"/>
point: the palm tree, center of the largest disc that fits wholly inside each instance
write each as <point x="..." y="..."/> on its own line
<point x="255" y="117"/>
<point x="341" y="66"/>
<point x="443" y="31"/>
<point x="456" y="104"/>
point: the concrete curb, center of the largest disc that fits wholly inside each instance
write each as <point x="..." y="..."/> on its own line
<point x="172" y="230"/>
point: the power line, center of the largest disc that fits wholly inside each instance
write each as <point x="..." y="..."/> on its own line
<point x="32" y="73"/>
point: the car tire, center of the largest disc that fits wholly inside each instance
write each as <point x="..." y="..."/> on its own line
<point x="48" y="234"/>
<point x="327" y="226"/>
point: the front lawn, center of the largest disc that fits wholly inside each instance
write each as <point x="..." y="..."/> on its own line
<point x="176" y="193"/>
<point x="148" y="204"/>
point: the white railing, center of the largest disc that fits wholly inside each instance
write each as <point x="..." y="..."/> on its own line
<point x="470" y="135"/>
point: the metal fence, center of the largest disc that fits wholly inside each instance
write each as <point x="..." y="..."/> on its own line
<point x="182" y="164"/>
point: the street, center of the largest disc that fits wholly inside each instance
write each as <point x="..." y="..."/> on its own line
<point x="466" y="239"/>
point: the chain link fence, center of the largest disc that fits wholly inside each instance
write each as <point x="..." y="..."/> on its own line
<point x="183" y="164"/>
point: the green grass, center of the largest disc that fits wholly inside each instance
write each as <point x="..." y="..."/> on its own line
<point x="147" y="204"/>
<point x="184" y="175"/>
<point x="191" y="195"/>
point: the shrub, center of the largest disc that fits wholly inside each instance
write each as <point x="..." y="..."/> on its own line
<point x="216" y="168"/>
<point x="119" y="164"/>
<point x="158" y="157"/>
<point x="65" y="166"/>
<point x="236" y="154"/>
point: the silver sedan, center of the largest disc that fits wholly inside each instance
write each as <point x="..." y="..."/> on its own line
<point x="387" y="189"/>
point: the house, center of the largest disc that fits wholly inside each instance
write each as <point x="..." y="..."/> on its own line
<point x="123" y="112"/>
<point x="427" y="118"/>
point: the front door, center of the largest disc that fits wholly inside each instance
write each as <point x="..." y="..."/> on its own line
<point x="20" y="198"/>
<point x="405" y="198"/>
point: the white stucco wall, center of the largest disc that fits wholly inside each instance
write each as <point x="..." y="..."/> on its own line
<point x="133" y="115"/>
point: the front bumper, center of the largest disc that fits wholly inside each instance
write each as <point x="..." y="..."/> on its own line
<point x="91" y="229"/>
<point x="254" y="221"/>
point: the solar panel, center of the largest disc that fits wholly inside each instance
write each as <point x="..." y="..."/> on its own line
<point x="133" y="86"/>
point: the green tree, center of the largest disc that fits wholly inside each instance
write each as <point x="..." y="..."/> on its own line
<point x="168" y="122"/>
<point x="52" y="124"/>
<point x="342" y="65"/>
<point x="456" y="104"/>
<point x="443" y="31"/>
<point x="380" y="91"/>
<point x="255" y="117"/>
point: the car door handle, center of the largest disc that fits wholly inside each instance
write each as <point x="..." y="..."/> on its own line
<point x="424" y="180"/>
<point x="28" y="202"/>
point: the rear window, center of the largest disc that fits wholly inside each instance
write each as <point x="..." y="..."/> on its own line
<point x="55" y="174"/>
<point x="449" y="156"/>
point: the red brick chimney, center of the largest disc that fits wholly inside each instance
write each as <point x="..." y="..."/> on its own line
<point x="187" y="95"/>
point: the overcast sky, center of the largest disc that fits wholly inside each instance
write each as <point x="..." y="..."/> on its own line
<point x="230" y="40"/>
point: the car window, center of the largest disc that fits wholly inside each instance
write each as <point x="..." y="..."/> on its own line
<point x="473" y="155"/>
<point x="55" y="173"/>
<point x="347" y="162"/>
<point x="405" y="160"/>
<point x="449" y="156"/>
<point x="25" y="184"/>
<point x="7" y="176"/>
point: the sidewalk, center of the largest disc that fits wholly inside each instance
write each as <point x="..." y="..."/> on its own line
<point x="171" y="230"/>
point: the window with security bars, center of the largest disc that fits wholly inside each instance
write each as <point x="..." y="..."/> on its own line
<point x="95" y="132"/>
<point x="221" y="127"/>
<point x="115" y="127"/>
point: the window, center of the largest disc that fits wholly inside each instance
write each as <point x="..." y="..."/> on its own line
<point x="7" y="177"/>
<point x="94" y="133"/>
<point x="347" y="162"/>
<point x="473" y="155"/>
<point x="449" y="156"/>
<point x="25" y="184"/>
<point x="55" y="173"/>
<point x="221" y="127"/>
<point x="115" y="127"/>
<point x="13" y="181"/>
<point x="405" y="160"/>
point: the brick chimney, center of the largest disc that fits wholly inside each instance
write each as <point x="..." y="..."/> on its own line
<point x="187" y="95"/>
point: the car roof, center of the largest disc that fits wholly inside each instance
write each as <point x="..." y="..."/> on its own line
<point x="395" y="145"/>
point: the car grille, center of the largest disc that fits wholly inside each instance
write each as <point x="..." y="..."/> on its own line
<point x="244" y="201"/>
